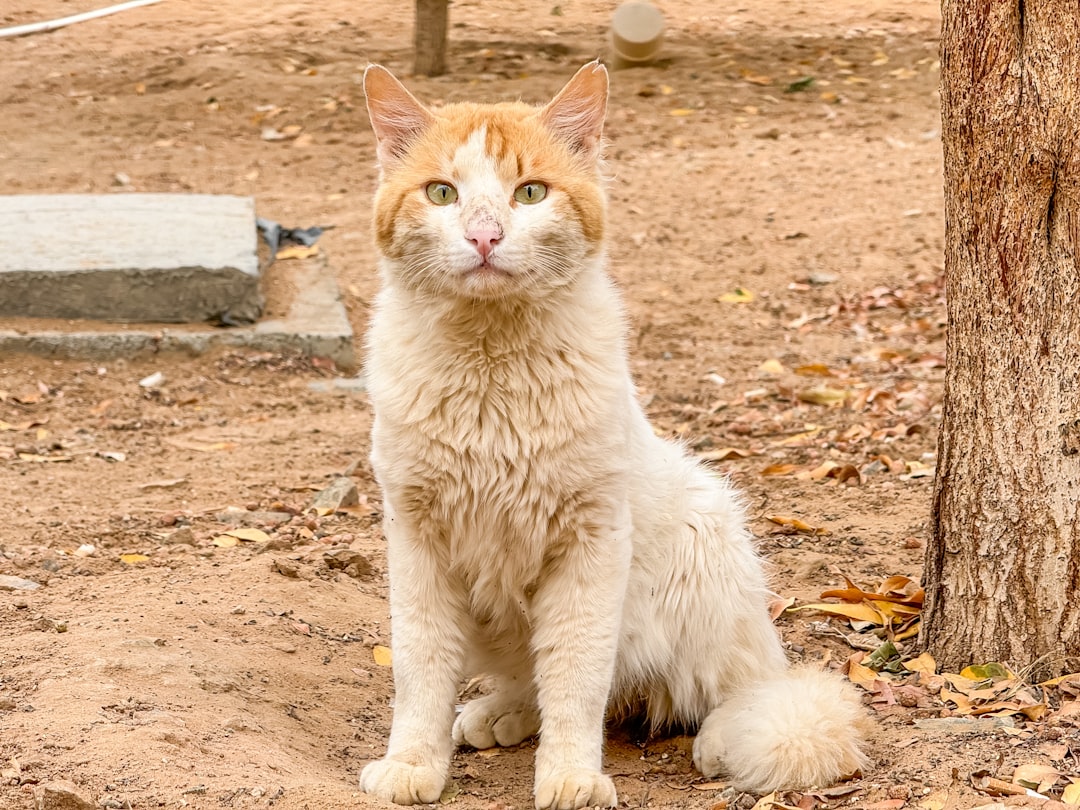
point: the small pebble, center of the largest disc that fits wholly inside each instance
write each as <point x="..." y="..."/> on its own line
<point x="10" y="583"/>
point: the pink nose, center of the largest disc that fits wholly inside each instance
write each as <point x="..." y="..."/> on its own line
<point x="484" y="240"/>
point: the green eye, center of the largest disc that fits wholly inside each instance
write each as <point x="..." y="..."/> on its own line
<point x="530" y="193"/>
<point x="441" y="193"/>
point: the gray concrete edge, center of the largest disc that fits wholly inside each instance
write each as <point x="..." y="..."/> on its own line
<point x="316" y="325"/>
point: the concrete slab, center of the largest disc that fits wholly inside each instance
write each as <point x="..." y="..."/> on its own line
<point x="314" y="323"/>
<point x="166" y="258"/>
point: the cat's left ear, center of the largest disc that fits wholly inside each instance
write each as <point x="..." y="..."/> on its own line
<point x="576" y="114"/>
<point x="396" y="116"/>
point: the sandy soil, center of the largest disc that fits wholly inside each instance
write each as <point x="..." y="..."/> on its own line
<point x="206" y="675"/>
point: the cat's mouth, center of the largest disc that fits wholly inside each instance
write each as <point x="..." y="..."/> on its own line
<point x="486" y="269"/>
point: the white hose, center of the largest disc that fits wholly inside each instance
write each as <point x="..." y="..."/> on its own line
<point x="34" y="28"/>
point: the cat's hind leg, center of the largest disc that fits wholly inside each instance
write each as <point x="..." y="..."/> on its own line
<point x="505" y="717"/>
<point x="699" y="617"/>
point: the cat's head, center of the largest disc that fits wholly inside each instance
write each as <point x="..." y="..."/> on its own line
<point x="489" y="201"/>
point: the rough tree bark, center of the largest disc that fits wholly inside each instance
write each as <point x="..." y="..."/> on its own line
<point x="429" y="37"/>
<point x="1003" y="564"/>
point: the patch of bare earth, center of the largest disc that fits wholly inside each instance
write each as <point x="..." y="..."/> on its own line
<point x="776" y="226"/>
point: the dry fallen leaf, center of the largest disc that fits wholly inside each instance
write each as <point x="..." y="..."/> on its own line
<point x="924" y="663"/>
<point x="34" y="457"/>
<point x="185" y="443"/>
<point x="724" y="454"/>
<point x="778" y="605"/>
<point x="251" y="535"/>
<point x="740" y="295"/>
<point x="382" y="655"/>
<point x="823" y="395"/>
<point x="133" y="559"/>
<point x="1071" y="794"/>
<point x="225" y="541"/>
<point x="755" y="78"/>
<point x="165" y="483"/>
<point x="779" y="469"/>
<point x="297" y="252"/>
<point x="797" y="525"/>
<point x="861" y="612"/>
<point x="814" y="370"/>
<point x="1037" y="777"/>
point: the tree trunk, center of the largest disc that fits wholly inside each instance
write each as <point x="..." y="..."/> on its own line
<point x="429" y="37"/>
<point x="1003" y="564"/>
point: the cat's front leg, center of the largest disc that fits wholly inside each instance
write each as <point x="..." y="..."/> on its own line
<point x="428" y="614"/>
<point x="575" y="629"/>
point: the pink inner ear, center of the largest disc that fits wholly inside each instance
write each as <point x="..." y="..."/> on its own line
<point x="396" y="116"/>
<point x="576" y="114"/>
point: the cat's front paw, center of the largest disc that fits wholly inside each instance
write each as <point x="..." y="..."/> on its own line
<point x="402" y="783"/>
<point x="573" y="788"/>
<point x="492" y="720"/>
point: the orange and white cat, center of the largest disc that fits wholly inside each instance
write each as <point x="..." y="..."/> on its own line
<point x="539" y="531"/>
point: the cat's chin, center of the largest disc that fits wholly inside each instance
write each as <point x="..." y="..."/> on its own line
<point x="487" y="281"/>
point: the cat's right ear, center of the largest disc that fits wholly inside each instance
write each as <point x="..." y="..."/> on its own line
<point x="576" y="114"/>
<point x="396" y="116"/>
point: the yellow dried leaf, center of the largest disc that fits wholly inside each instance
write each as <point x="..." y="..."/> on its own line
<point x="710" y="785"/>
<point x="935" y="801"/>
<point x="382" y="655"/>
<point x="797" y="524"/>
<point x="225" y="541"/>
<point x="297" y="252"/>
<point x="1033" y="712"/>
<point x="188" y="443"/>
<point x="724" y="454"/>
<point x="755" y="78"/>
<point x="911" y="632"/>
<point x="765" y="802"/>
<point x="34" y="457"/>
<point x="779" y="469"/>
<point x="1071" y="794"/>
<point x="821" y="471"/>
<point x="740" y="295"/>
<point x="772" y="366"/>
<point x="680" y="112"/>
<point x="846" y="473"/>
<point x="989" y="671"/>
<point x="133" y="559"/>
<point x="924" y="663"/>
<point x="963" y="705"/>
<point x="1072" y="677"/>
<point x="861" y="613"/>
<point x="894" y="611"/>
<point x="862" y="675"/>
<point x="799" y="438"/>
<point x="249" y="534"/>
<point x="823" y="395"/>
<point x="814" y="370"/>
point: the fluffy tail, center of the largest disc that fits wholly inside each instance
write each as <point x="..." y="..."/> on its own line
<point x="800" y="728"/>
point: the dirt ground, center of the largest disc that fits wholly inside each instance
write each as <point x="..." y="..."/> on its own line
<point x="776" y="226"/>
